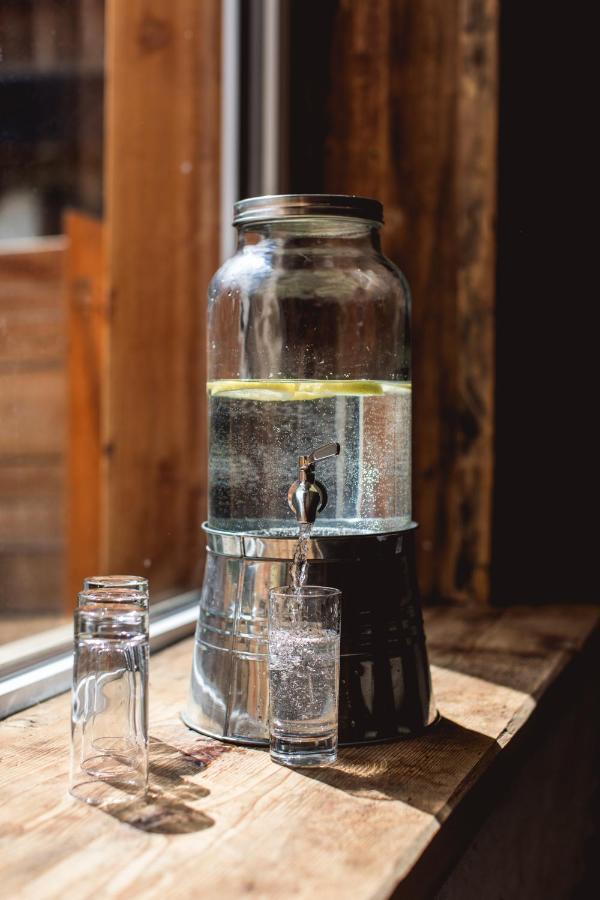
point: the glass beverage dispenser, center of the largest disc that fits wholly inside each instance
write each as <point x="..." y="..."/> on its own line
<point x="309" y="345"/>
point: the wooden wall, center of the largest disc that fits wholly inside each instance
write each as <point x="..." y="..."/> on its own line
<point x="401" y="104"/>
<point x="32" y="427"/>
<point x="162" y="233"/>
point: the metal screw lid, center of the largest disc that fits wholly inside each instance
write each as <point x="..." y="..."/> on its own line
<point x="296" y="206"/>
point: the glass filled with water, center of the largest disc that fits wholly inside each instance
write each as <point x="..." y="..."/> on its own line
<point x="109" y="720"/>
<point x="304" y="668"/>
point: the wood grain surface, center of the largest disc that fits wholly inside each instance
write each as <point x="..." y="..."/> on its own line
<point x="222" y="821"/>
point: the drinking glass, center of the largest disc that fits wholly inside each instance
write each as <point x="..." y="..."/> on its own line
<point x="109" y="720"/>
<point x="304" y="666"/>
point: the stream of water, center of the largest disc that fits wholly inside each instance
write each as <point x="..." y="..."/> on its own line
<point x="299" y="566"/>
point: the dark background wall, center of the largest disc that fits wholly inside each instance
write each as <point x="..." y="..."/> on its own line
<point x="545" y="527"/>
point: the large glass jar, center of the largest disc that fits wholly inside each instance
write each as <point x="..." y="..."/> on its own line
<point x="309" y="342"/>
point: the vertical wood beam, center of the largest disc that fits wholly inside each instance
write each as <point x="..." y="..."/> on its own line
<point x="413" y="112"/>
<point x="88" y="333"/>
<point x="162" y="209"/>
<point x="469" y="537"/>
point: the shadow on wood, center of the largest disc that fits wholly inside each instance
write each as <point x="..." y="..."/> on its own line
<point x="423" y="772"/>
<point x="162" y="811"/>
<point x="159" y="815"/>
<point x="168" y="768"/>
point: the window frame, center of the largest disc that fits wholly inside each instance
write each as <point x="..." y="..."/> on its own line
<point x="36" y="668"/>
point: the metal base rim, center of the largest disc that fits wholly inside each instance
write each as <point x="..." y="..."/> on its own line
<point x="264" y="744"/>
<point x="323" y="547"/>
<point x="266" y="534"/>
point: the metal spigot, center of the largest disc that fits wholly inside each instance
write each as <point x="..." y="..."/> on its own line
<point x="307" y="497"/>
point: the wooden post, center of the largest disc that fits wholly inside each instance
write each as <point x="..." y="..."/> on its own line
<point x="88" y="329"/>
<point x="412" y="121"/>
<point x="162" y="130"/>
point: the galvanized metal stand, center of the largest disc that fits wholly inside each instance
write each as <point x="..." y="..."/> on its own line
<point x="385" y="685"/>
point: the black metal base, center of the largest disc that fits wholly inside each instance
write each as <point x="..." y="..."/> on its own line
<point x="385" y="684"/>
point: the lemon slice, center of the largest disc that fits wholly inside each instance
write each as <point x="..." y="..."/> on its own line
<point x="292" y="390"/>
<point x="396" y="387"/>
<point x="331" y="388"/>
<point x="253" y="390"/>
<point x="234" y="385"/>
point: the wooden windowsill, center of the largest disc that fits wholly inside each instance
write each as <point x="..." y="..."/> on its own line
<point x="225" y="822"/>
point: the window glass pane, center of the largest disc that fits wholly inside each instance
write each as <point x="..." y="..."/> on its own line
<point x="52" y="85"/>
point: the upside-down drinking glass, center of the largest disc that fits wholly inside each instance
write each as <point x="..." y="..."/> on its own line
<point x="109" y="722"/>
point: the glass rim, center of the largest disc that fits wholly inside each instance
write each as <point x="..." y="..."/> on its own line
<point x="111" y="595"/>
<point x="305" y="591"/>
<point x="114" y="581"/>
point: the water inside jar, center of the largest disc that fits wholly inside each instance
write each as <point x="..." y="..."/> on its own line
<point x="257" y="430"/>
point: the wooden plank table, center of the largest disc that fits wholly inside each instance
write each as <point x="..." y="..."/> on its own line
<point x="223" y="821"/>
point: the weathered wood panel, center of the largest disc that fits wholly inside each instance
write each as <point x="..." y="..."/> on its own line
<point x="32" y="578"/>
<point x="32" y="319"/>
<point x="32" y="426"/>
<point x="224" y="822"/>
<point x="31" y="505"/>
<point x="32" y="411"/>
<point x="162" y="246"/>
<point x="412" y="121"/>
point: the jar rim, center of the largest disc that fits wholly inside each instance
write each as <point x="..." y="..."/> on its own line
<point x="298" y="206"/>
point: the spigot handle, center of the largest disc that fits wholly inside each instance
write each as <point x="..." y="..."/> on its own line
<point x="307" y="497"/>
<point x="324" y="452"/>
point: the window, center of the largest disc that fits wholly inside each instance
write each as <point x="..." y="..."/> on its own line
<point x="109" y="226"/>
<point x="52" y="77"/>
